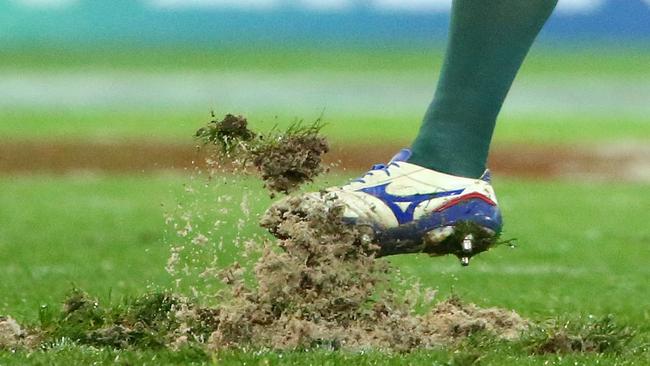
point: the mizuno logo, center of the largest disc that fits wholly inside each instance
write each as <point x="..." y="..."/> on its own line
<point x="403" y="207"/>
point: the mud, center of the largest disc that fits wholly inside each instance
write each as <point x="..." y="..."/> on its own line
<point x="325" y="288"/>
<point x="289" y="160"/>
<point x="11" y="333"/>
<point x="285" y="159"/>
<point x="14" y="336"/>
<point x="320" y="285"/>
<point x="228" y="133"/>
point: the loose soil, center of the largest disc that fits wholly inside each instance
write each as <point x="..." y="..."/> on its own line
<point x="325" y="288"/>
<point x="284" y="159"/>
<point x="317" y="284"/>
<point x="11" y="333"/>
<point x="320" y="286"/>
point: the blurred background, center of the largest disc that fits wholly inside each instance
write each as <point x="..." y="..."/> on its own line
<point x="125" y="76"/>
<point x="99" y="101"/>
<point x="100" y="98"/>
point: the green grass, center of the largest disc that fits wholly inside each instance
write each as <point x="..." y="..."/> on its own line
<point x="581" y="250"/>
<point x="175" y="123"/>
<point x="103" y="234"/>
<point x="543" y="59"/>
<point x="582" y="247"/>
<point x="178" y="125"/>
<point x="68" y="354"/>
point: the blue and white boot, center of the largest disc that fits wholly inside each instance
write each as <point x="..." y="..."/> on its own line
<point x="410" y="208"/>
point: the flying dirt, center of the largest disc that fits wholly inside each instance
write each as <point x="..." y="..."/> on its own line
<point x="316" y="283"/>
<point x="285" y="160"/>
<point x="321" y="284"/>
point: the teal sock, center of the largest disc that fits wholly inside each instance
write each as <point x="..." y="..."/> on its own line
<point x="488" y="41"/>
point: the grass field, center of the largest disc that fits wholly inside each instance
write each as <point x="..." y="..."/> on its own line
<point x="581" y="246"/>
<point x="105" y="234"/>
<point x="578" y="74"/>
<point x="103" y="124"/>
<point x="577" y="60"/>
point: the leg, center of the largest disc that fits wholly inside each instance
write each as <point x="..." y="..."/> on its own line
<point x="488" y="43"/>
<point x="444" y="209"/>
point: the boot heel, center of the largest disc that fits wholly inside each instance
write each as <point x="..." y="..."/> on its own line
<point x="464" y="240"/>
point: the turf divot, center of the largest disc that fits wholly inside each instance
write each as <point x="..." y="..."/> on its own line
<point x="321" y="286"/>
<point x="285" y="159"/>
<point x="11" y="333"/>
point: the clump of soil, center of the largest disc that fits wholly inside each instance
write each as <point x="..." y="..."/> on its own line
<point x="284" y="159"/>
<point x="228" y="133"/>
<point x="318" y="283"/>
<point x="11" y="333"/>
<point x="289" y="159"/>
<point x="326" y="289"/>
